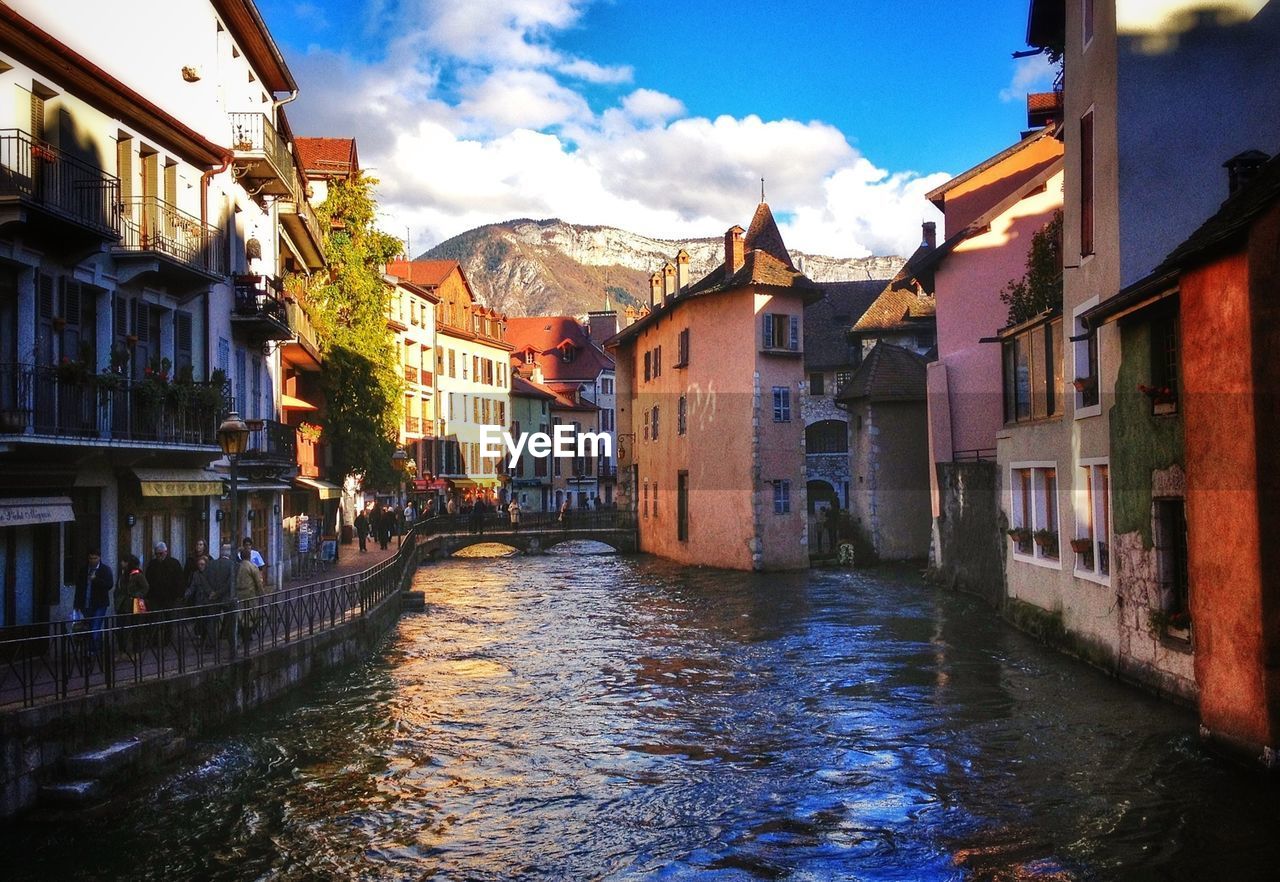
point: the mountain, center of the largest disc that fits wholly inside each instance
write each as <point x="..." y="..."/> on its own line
<point x="552" y="267"/>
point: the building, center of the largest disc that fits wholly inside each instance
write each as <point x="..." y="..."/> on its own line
<point x="574" y="366"/>
<point x="1141" y="173"/>
<point x="710" y="397"/>
<point x="530" y="412"/>
<point x="472" y="378"/>
<point x="141" y="191"/>
<point x="830" y="358"/>
<point x="411" y="315"/>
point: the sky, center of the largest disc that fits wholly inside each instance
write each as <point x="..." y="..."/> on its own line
<point x="662" y="116"/>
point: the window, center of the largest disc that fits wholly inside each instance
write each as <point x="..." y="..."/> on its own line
<point x="1171" y="567"/>
<point x="842" y="379"/>
<point x="815" y="384"/>
<point x="529" y="357"/>
<point x="453" y="372"/>
<point x="644" y="505"/>
<point x="781" y="497"/>
<point x="1086" y="21"/>
<point x="682" y="415"/>
<point x="566" y="354"/>
<point x="657" y="361"/>
<point x="1163" y="390"/>
<point x="606" y="386"/>
<point x="648" y="366"/>
<point x="1085" y="356"/>
<point x="781" y="332"/>
<point x="1033" y="373"/>
<point x="1033" y="512"/>
<point x="1086" y="184"/>
<point x="926" y="340"/>
<point x="828" y="436"/>
<point x="1091" y="547"/>
<point x="781" y="404"/>
<point x="682" y="349"/>
<point x="653" y="414"/>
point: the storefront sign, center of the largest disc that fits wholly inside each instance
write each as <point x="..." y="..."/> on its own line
<point x="48" y="510"/>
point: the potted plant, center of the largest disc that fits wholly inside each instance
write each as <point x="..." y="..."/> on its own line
<point x="1021" y="537"/>
<point x="1048" y="541"/>
<point x="1085" y="384"/>
<point x="1164" y="399"/>
<point x="309" y="432"/>
<point x="1081" y="545"/>
<point x="1170" y="623"/>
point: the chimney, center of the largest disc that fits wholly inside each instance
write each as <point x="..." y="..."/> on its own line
<point x="668" y="281"/>
<point x="602" y="325"/>
<point x="682" y="270"/>
<point x="733" y="251"/>
<point x="930" y="233"/>
<point x="655" y="289"/>
<point x="1242" y="167"/>
<point x="536" y="373"/>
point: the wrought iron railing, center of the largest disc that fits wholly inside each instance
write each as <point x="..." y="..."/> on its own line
<point x="410" y="374"/>
<point x="254" y="133"/>
<point x="59" y="183"/>
<point x="260" y="297"/>
<point x="275" y="441"/>
<point x="69" y="403"/>
<point x="152" y="225"/>
<point x="413" y="425"/>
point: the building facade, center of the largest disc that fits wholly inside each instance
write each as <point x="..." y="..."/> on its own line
<point x="710" y="404"/>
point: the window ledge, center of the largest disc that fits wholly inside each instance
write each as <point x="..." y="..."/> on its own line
<point x="785" y="353"/>
<point x="1093" y="410"/>
<point x="1095" y="578"/>
<point x="1176" y="644"/>
<point x="1043" y="562"/>
<point x="1038" y="421"/>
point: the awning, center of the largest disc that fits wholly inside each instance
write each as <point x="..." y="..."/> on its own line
<point x="293" y="403"/>
<point x="38" y="510"/>
<point x="324" y="489"/>
<point x="179" y="482"/>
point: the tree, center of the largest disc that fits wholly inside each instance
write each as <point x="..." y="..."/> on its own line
<point x="1040" y="289"/>
<point x="348" y="306"/>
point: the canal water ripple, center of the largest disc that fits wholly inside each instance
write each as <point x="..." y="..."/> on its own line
<point x="602" y="717"/>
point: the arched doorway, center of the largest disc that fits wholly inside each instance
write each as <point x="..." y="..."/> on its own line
<point x="821" y="495"/>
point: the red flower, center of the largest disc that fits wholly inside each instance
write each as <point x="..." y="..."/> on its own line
<point x="146" y="372"/>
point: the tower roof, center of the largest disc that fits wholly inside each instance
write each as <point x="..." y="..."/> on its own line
<point x="763" y="235"/>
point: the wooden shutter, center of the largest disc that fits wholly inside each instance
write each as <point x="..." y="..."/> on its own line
<point x="124" y="170"/>
<point x="1086" y="183"/>
<point x="794" y="343"/>
<point x="183" y="343"/>
<point x="768" y="330"/>
<point x="37" y="117"/>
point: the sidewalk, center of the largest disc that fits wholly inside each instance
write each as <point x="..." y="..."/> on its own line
<point x="350" y="562"/>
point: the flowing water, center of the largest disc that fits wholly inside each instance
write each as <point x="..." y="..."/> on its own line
<point x="600" y="717"/>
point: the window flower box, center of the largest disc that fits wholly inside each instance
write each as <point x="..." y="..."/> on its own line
<point x="1164" y="399"/>
<point x="1048" y="542"/>
<point x="1021" y="537"/>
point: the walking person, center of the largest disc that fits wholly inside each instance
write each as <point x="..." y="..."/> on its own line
<point x="249" y="592"/>
<point x="386" y="520"/>
<point x="202" y="550"/>
<point x="165" y="578"/>
<point x="564" y="511"/>
<point x="93" y="594"/>
<point x="221" y="575"/>
<point x="513" y="510"/>
<point x="254" y="557"/>
<point x="362" y="528"/>
<point x="131" y="598"/>
<point x="199" y="591"/>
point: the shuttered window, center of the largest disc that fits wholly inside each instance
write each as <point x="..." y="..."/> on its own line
<point x="183" y="343"/>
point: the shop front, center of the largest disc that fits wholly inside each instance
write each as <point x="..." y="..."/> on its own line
<point x="164" y="505"/>
<point x="32" y="538"/>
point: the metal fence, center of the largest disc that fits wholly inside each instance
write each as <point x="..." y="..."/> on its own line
<point x="58" y="660"/>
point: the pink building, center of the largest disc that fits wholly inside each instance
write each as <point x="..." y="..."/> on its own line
<point x="711" y="434"/>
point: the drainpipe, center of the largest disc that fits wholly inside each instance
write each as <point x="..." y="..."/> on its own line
<point x="293" y="96"/>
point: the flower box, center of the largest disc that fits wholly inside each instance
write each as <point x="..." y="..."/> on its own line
<point x="1080" y="546"/>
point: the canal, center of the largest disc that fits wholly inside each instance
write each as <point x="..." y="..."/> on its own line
<point x="593" y="716"/>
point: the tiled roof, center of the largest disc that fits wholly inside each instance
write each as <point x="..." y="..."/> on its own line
<point x="898" y="305"/>
<point x="941" y="191"/>
<point x="529" y="389"/>
<point x="427" y="273"/>
<point x="888" y="373"/>
<point x="827" y="322"/>
<point x="327" y="156"/>
<point x="545" y="334"/>
<point x="763" y="235"/>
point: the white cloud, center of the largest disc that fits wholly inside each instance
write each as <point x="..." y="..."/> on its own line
<point x="471" y="119"/>
<point x="1032" y="73"/>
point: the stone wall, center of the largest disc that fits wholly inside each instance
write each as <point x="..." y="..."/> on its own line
<point x="970" y="526"/>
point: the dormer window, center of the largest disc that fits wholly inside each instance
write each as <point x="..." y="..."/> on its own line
<point x="529" y="356"/>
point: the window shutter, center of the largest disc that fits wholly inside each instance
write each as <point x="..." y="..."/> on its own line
<point x="182" y="334"/>
<point x="44" y="292"/>
<point x="768" y="330"/>
<point x="71" y="302"/>
<point x="120" y="316"/>
<point x="124" y="168"/>
<point x="794" y="344"/>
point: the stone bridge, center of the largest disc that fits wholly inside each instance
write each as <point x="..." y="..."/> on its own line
<point x="535" y="534"/>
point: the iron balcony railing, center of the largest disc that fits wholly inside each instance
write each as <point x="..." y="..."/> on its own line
<point x="607" y="468"/>
<point x="275" y="442"/>
<point x="410" y="374"/>
<point x="300" y="323"/>
<point x="413" y="425"/>
<point x="152" y="225"/>
<point x="253" y="133"/>
<point x="259" y="300"/>
<point x="58" y="183"/>
<point x="64" y="403"/>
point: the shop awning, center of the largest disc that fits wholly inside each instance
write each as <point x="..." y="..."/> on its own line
<point x="35" y="510"/>
<point x="294" y="403"/>
<point x="179" y="482"/>
<point x="323" y="489"/>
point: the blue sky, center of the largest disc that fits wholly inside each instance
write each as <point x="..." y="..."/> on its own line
<point x="661" y="116"/>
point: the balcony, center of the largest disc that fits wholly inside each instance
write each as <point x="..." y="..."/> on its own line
<point x="44" y="187"/>
<point x="262" y="156"/>
<point x="161" y="240"/>
<point x="303" y="351"/>
<point x="412" y="425"/>
<point x="260" y="309"/>
<point x="607" y="468"/>
<point x="310" y="458"/>
<point x="97" y="408"/>
<point x="410" y="374"/>
<point x="300" y="222"/>
<point x="426" y="378"/>
<point x="271" y="442"/>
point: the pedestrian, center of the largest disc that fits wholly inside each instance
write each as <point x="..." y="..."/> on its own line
<point x="202" y="550"/>
<point x="221" y="574"/>
<point x="564" y="510"/>
<point x="131" y="598"/>
<point x="362" y="528"/>
<point x="451" y="507"/>
<point x="513" y="510"/>
<point x="254" y="556"/>
<point x="386" y="520"/>
<point x="93" y="594"/>
<point x="200" y="587"/>
<point x="410" y="514"/>
<point x="249" y="592"/>
<point x="165" y="579"/>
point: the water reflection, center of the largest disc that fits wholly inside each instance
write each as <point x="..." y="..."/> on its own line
<point x="593" y="717"/>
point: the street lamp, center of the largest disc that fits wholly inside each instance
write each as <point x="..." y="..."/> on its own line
<point x="233" y="438"/>
<point x="398" y="461"/>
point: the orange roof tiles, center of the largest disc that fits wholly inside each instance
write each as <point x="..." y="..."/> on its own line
<point x="327" y="156"/>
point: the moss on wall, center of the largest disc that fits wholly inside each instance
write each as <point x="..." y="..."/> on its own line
<point x="1141" y="443"/>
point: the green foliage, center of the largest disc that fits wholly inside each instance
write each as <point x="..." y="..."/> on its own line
<point x="348" y="306"/>
<point x="1040" y="289"/>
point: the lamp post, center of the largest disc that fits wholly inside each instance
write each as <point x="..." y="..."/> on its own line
<point x="398" y="461"/>
<point x="233" y="438"/>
